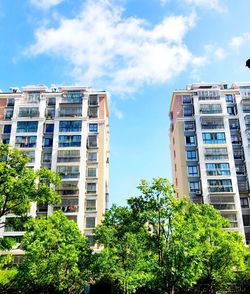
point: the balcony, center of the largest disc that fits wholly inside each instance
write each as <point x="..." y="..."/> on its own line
<point x="224" y="206"/>
<point x="67" y="208"/>
<point x="29" y="112"/>
<point x="70" y="112"/>
<point x="75" y="98"/>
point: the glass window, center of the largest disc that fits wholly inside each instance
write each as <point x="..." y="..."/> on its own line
<point x="70" y="110"/>
<point x="194" y="186"/>
<point x="229" y="98"/>
<point x="27" y="126"/>
<point x="246" y="220"/>
<point x="188" y="111"/>
<point x="244" y="202"/>
<point x="215" y="123"/>
<point x="186" y="99"/>
<point x="92" y="172"/>
<point x="90" y="205"/>
<point x="26" y="141"/>
<point x="93" y="100"/>
<point x="93" y="112"/>
<point x="46" y="157"/>
<point x="210" y="108"/>
<point x="190" y="140"/>
<point x="90" y="222"/>
<point x="216" y="153"/>
<point x="8" y="114"/>
<point x="70" y="126"/>
<point x="192" y="171"/>
<point x="7" y="129"/>
<point x="222" y="185"/>
<point x="48" y="142"/>
<point x="231" y="110"/>
<point x="72" y="97"/>
<point x="93" y="128"/>
<point x="28" y="112"/>
<point x="68" y="156"/>
<point x="91" y="240"/>
<point x="218" y="169"/>
<point x="92" y="156"/>
<point x="208" y="95"/>
<point x="68" y="172"/>
<point x="214" y="138"/>
<point x="34" y="97"/>
<point x="92" y="141"/>
<point x="30" y="154"/>
<point x="69" y="141"/>
<point x="91" y="187"/>
<point x="49" y="128"/>
<point x="191" y="155"/>
<point x="189" y="125"/>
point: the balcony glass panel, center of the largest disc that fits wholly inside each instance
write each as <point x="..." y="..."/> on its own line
<point x="28" y="112"/>
<point x="69" y="141"/>
<point x="214" y="138"/>
<point x="27" y="126"/>
<point x="212" y="124"/>
<point x="68" y="172"/>
<point x="210" y="108"/>
<point x="70" y="111"/>
<point x="70" y="126"/>
<point x="218" y="169"/>
<point x="72" y="97"/>
<point x="220" y="186"/>
<point x="208" y="95"/>
<point x="25" y="141"/>
<point x="68" y="156"/>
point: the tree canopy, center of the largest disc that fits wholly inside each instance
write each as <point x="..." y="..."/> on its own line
<point x="57" y="256"/>
<point x="19" y="185"/>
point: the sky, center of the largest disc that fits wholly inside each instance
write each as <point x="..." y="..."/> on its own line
<point x="139" y="51"/>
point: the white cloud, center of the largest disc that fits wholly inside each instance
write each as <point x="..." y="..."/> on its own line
<point x="238" y="41"/>
<point x="120" y="53"/>
<point x="214" y="52"/>
<point x="45" y="4"/>
<point x="211" y="4"/>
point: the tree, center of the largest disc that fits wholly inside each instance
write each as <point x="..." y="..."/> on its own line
<point x="174" y="234"/>
<point x="19" y="185"/>
<point x="222" y="251"/>
<point x="57" y="257"/>
<point x="125" y="258"/>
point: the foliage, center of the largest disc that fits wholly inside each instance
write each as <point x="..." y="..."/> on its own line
<point x="19" y="185"/>
<point x="222" y="251"/>
<point x="125" y="258"/>
<point x="57" y="256"/>
<point x="174" y="234"/>
<point x="7" y="271"/>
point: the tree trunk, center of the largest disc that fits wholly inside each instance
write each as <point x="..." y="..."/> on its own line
<point x="170" y="289"/>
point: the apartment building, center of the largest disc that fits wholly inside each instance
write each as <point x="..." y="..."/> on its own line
<point x="210" y="148"/>
<point x="65" y="129"/>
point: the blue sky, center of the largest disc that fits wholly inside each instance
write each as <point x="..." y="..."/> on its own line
<point x="137" y="50"/>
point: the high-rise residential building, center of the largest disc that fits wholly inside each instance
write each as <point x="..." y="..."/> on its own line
<point x="65" y="129"/>
<point x="210" y="148"/>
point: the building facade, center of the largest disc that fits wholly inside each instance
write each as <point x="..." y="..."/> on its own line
<point x="210" y="148"/>
<point x="65" y="129"/>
